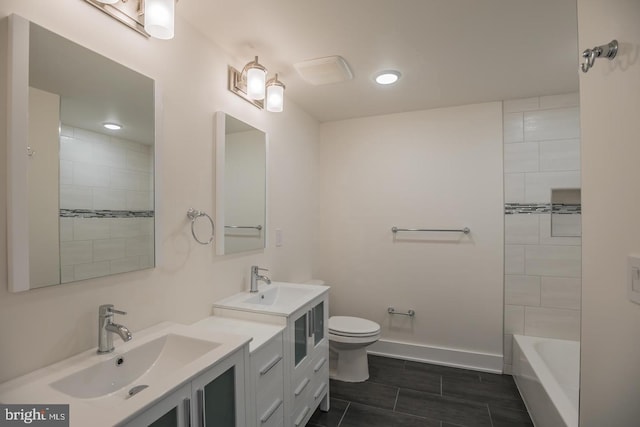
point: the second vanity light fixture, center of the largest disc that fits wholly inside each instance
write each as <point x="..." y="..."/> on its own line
<point x="151" y="18"/>
<point x="251" y="84"/>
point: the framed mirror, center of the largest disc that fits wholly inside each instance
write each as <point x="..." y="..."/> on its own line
<point x="80" y="162"/>
<point x="241" y="183"/>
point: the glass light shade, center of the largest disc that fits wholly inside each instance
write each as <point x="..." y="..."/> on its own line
<point x="256" y="78"/>
<point x="275" y="97"/>
<point x="159" y="18"/>
<point x="387" y="77"/>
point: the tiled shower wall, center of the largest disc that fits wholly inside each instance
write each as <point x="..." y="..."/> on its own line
<point x="106" y="203"/>
<point x="542" y="273"/>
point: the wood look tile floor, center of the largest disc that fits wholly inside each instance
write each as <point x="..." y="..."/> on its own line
<point x="400" y="393"/>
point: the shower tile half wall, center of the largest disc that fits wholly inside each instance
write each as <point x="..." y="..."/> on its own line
<point x="542" y="272"/>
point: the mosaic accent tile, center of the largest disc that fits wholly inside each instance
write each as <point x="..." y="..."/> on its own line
<point x="90" y="213"/>
<point x="541" y="208"/>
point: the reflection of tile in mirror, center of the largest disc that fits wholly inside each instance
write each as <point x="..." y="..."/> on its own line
<point x="566" y="218"/>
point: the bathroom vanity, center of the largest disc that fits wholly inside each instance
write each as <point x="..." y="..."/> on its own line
<point x="303" y="311"/>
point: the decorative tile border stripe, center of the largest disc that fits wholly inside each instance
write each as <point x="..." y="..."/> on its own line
<point x="542" y="208"/>
<point x="90" y="213"/>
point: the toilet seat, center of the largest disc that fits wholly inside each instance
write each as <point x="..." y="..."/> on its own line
<point x="346" y="326"/>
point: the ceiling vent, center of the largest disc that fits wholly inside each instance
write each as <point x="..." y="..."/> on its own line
<point x="322" y="71"/>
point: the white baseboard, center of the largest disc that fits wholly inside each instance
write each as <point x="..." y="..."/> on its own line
<point x="439" y="356"/>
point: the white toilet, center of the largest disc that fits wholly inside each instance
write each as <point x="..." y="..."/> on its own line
<point x="348" y="340"/>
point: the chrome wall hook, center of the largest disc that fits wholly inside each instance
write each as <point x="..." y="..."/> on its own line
<point x="608" y="51"/>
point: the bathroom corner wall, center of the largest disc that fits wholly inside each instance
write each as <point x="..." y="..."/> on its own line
<point x="439" y="168"/>
<point x="42" y="326"/>
<point x="542" y="272"/>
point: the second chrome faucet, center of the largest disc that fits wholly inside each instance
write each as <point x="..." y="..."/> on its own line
<point x="256" y="277"/>
<point x="106" y="328"/>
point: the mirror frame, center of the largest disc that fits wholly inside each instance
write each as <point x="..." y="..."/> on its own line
<point x="17" y="143"/>
<point x="220" y="152"/>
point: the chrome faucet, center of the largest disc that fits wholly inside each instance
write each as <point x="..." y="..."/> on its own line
<point x="255" y="277"/>
<point x="106" y="327"/>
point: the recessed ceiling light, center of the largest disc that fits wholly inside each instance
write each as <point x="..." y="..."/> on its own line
<point x="112" y="126"/>
<point x="387" y="77"/>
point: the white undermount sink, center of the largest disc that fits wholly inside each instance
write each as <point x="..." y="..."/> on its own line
<point x="278" y="298"/>
<point x="277" y="295"/>
<point x="134" y="370"/>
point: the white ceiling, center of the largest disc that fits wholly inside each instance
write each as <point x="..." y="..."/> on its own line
<point x="450" y="52"/>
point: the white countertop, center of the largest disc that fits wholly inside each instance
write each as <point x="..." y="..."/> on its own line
<point x="35" y="388"/>
<point x="260" y="332"/>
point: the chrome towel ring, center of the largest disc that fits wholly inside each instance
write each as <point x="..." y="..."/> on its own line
<point x="193" y="214"/>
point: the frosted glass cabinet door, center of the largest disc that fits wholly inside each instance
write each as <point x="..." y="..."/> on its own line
<point x="318" y="323"/>
<point x="219" y="394"/>
<point x="171" y="411"/>
<point x="300" y="337"/>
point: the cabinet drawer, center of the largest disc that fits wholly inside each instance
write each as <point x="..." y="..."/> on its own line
<point x="300" y="391"/>
<point x="269" y="388"/>
<point x="273" y="415"/>
<point x="266" y="357"/>
<point x="301" y="416"/>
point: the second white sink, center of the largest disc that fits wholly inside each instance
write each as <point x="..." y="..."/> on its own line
<point x="277" y="295"/>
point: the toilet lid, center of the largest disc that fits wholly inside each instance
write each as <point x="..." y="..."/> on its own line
<point x="353" y="326"/>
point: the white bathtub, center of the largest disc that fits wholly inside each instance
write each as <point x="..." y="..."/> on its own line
<point x="547" y="373"/>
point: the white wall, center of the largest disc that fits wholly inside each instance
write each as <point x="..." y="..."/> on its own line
<point x="609" y="102"/>
<point x="431" y="169"/>
<point x="542" y="271"/>
<point x="42" y="326"/>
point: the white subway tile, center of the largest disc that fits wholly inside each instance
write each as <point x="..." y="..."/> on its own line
<point x="124" y="227"/>
<point x="546" y="238"/>
<point x="125" y="264"/>
<point x="522" y="290"/>
<point x="107" y="154"/>
<point x="74" y="150"/>
<point x="146" y="261"/>
<point x="562" y="155"/>
<point x="66" y="172"/>
<point x="514" y="185"/>
<point x="513" y="127"/>
<point x="552" y="323"/>
<point x="139" y="200"/>
<point x="91" y="270"/>
<point x="66" y="229"/>
<point x="144" y="182"/>
<point x="561" y="292"/>
<point x="524" y="104"/>
<point x="138" y="161"/>
<point x="547" y="260"/>
<point x="122" y="179"/>
<point x="66" y="274"/>
<point x="90" y="175"/>
<point x="513" y="319"/>
<point x="521" y="229"/>
<point x="75" y="252"/>
<point x="125" y="144"/>
<point x="90" y="228"/>
<point x="106" y="199"/>
<point x="136" y="246"/>
<point x="560" y="101"/>
<point x="66" y="131"/>
<point x="521" y="157"/>
<point x="566" y="226"/>
<point x="560" y="123"/>
<point x="538" y="185"/>
<point x="514" y="260"/>
<point x="108" y="249"/>
<point x="72" y="197"/>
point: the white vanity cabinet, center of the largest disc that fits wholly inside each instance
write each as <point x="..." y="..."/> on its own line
<point x="309" y="360"/>
<point x="217" y="397"/>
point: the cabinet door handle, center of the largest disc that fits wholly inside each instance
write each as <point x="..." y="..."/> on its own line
<point x="301" y="417"/>
<point x="187" y="412"/>
<point x="319" y="391"/>
<point x="203" y="416"/>
<point x="309" y="320"/>
<point x="301" y="387"/>
<point x="270" y="365"/>
<point x="320" y="364"/>
<point x="272" y="410"/>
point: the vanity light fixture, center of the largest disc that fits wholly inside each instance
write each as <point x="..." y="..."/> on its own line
<point x="151" y="18"/>
<point x="387" y="77"/>
<point x="112" y="126"/>
<point x="275" y="95"/>
<point x="250" y="84"/>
